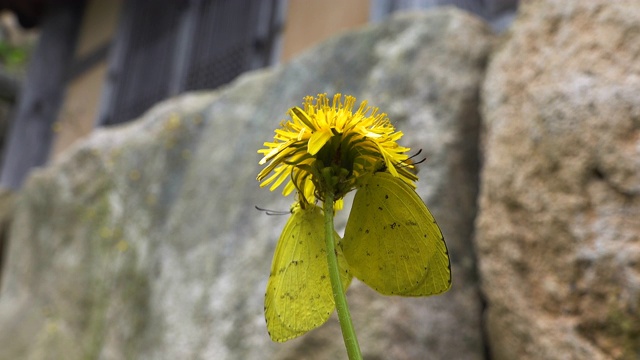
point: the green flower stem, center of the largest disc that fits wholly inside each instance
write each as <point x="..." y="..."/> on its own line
<point x="348" y="333"/>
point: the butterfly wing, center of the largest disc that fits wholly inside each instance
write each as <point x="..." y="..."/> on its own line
<point x="392" y="242"/>
<point x="299" y="296"/>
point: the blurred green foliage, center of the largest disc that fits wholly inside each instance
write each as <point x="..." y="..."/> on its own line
<point x="14" y="57"/>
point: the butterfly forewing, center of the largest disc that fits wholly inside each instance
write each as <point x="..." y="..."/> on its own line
<point x="392" y="242"/>
<point x="299" y="296"/>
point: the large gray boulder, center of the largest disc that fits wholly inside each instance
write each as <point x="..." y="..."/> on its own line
<point x="558" y="232"/>
<point x="143" y="241"/>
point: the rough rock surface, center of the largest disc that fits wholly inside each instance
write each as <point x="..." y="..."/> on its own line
<point x="143" y="242"/>
<point x="558" y="232"/>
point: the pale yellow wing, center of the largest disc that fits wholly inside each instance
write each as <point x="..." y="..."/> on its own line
<point x="299" y="296"/>
<point x="392" y="242"/>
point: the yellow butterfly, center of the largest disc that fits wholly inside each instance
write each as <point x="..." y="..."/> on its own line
<point x="392" y="242"/>
<point x="299" y="296"/>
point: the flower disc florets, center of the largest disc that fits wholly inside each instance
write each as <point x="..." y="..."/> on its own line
<point x="331" y="136"/>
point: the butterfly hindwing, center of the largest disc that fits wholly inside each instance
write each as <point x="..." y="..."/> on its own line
<point x="392" y="242"/>
<point x="299" y="296"/>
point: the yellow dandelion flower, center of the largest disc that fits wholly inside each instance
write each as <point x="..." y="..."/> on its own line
<point x="324" y="134"/>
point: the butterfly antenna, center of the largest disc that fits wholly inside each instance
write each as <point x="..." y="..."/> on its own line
<point x="420" y="161"/>
<point x="409" y="161"/>
<point x="416" y="154"/>
<point x="272" y="212"/>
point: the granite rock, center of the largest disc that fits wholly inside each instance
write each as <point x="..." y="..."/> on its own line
<point x="558" y="230"/>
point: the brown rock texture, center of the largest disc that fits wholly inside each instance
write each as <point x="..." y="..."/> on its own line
<point x="558" y="230"/>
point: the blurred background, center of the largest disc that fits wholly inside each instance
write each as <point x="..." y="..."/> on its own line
<point x="70" y="66"/>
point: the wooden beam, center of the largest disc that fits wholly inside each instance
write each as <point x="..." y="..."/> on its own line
<point x="32" y="132"/>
